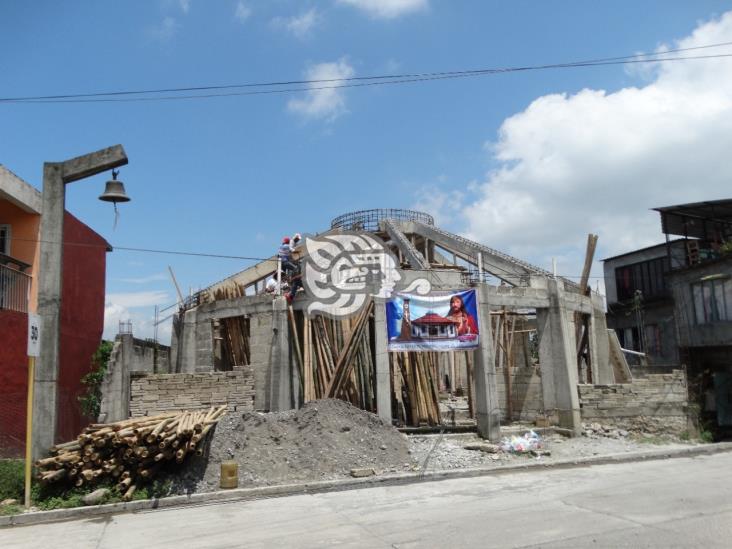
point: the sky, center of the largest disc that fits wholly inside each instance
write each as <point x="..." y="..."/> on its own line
<point x="525" y="162"/>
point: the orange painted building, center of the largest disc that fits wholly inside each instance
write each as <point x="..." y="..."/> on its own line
<point x="82" y="309"/>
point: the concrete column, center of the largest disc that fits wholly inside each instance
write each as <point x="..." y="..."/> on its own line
<point x="204" y="346"/>
<point x="602" y="370"/>
<point x="49" y="308"/>
<point x="383" y="374"/>
<point x="557" y="359"/>
<point x="187" y="344"/>
<point x="279" y="359"/>
<point x="487" y="408"/>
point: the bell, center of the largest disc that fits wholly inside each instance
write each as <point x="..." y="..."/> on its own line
<point x="114" y="191"/>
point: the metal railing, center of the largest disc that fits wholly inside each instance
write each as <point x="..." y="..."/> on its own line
<point x="14" y="289"/>
<point x="368" y="220"/>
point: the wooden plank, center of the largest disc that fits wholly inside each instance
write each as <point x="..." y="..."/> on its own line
<point x="345" y="362"/>
<point x="296" y="338"/>
<point x="307" y="362"/>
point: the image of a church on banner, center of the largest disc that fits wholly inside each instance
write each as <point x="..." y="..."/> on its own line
<point x="438" y="321"/>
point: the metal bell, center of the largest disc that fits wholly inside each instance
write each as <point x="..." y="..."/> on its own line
<point x="114" y="191"/>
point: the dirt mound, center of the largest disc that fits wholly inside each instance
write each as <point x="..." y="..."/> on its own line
<point x="324" y="439"/>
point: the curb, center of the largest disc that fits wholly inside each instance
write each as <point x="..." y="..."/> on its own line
<point x="242" y="494"/>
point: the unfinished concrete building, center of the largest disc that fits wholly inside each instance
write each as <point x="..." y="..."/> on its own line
<point x="545" y="334"/>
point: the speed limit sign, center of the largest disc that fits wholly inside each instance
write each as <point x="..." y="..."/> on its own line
<point x="34" y="335"/>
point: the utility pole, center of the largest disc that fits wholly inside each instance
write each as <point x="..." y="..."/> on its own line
<point x="55" y="177"/>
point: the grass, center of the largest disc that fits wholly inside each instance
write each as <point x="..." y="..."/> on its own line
<point x="12" y="479"/>
<point x="657" y="440"/>
<point x="6" y="510"/>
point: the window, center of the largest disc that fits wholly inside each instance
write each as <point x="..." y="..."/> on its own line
<point x="653" y="340"/>
<point x="5" y="239"/>
<point x="646" y="276"/>
<point x="712" y="300"/>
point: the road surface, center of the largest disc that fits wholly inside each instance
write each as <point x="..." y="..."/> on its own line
<point x="683" y="502"/>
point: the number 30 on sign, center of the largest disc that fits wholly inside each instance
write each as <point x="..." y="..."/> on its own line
<point x="34" y="335"/>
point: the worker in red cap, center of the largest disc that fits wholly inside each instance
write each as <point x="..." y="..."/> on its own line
<point x="285" y="254"/>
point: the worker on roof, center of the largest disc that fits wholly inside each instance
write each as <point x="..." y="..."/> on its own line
<point x="284" y="253"/>
<point x="296" y="240"/>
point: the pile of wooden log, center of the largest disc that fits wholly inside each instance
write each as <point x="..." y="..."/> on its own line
<point x="129" y="452"/>
<point x="335" y="357"/>
<point x="414" y="382"/>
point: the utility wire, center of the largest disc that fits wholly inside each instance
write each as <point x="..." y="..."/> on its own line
<point x="227" y="256"/>
<point x="361" y="81"/>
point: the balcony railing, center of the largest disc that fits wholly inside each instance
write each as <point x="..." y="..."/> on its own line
<point x="14" y="289"/>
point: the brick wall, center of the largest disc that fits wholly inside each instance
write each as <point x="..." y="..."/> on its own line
<point x="155" y="393"/>
<point x="658" y="401"/>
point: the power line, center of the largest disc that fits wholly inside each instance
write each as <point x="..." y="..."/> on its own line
<point x="351" y="82"/>
<point x="227" y="256"/>
<point x="149" y="250"/>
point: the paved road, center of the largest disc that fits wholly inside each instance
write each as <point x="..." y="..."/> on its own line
<point x="670" y="503"/>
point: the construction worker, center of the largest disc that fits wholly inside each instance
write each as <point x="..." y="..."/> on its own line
<point x="285" y="255"/>
<point x="296" y="240"/>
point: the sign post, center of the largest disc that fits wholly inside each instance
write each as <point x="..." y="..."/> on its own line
<point x="34" y="347"/>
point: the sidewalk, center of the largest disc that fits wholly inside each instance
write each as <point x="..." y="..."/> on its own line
<point x="351" y="484"/>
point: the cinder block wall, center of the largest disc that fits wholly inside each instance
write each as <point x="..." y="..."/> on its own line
<point x="659" y="402"/>
<point x="527" y="400"/>
<point x="151" y="394"/>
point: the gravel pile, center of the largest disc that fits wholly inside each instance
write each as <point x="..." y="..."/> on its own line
<point x="324" y="439"/>
<point x="435" y="452"/>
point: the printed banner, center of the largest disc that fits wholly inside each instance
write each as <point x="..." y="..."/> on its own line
<point x="438" y="321"/>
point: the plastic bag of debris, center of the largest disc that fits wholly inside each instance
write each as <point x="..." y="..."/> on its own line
<point x="522" y="444"/>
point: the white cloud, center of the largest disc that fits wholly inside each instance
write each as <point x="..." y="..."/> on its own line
<point x="242" y="11"/>
<point x="445" y="206"/>
<point x="185" y="5"/>
<point x="136" y="307"/>
<point x="387" y="9"/>
<point x="143" y="323"/>
<point x="597" y="161"/>
<point x="299" y="25"/>
<point x="138" y="299"/>
<point x="144" y="279"/>
<point x="166" y="30"/>
<point x="328" y="103"/>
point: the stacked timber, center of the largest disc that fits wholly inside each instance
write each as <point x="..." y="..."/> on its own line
<point x="335" y="357"/>
<point x="414" y="381"/>
<point x="129" y="452"/>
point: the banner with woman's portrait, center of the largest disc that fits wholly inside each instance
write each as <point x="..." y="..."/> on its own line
<point x="438" y="321"/>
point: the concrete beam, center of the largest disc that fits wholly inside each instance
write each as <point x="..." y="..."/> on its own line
<point x="487" y="407"/>
<point x="500" y="265"/>
<point x="93" y="163"/>
<point x="383" y="374"/>
<point x="49" y="309"/>
<point x="240" y="306"/>
<point x="279" y="359"/>
<point x="415" y="259"/>
<point x="558" y="360"/>
<point x="247" y="277"/>
<point x="602" y="369"/>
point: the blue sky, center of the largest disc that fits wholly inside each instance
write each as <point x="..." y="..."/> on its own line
<point x="528" y="163"/>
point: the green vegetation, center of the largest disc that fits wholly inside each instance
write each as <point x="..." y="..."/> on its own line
<point x="706" y="436"/>
<point x="91" y="400"/>
<point x="12" y="479"/>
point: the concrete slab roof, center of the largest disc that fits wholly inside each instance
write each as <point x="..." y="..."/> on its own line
<point x="22" y="194"/>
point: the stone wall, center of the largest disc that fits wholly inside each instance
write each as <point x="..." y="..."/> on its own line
<point x="658" y="402"/>
<point x="151" y="394"/>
